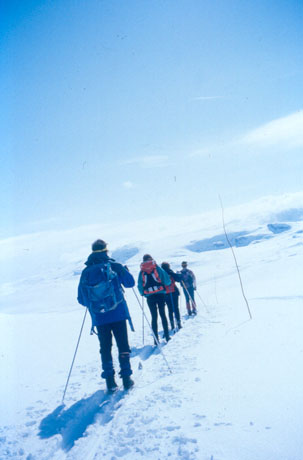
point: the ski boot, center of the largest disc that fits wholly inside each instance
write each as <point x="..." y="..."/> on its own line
<point x="127" y="382"/>
<point x="111" y="384"/>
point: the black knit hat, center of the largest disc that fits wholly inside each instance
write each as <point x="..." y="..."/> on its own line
<point x="99" y="245"/>
<point x="147" y="257"/>
<point x="165" y="265"/>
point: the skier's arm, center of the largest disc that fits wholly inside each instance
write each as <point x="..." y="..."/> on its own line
<point x="177" y="276"/>
<point x="126" y="278"/>
<point x="140" y="284"/>
<point x="194" y="280"/>
<point x="165" y="279"/>
<point x="82" y="297"/>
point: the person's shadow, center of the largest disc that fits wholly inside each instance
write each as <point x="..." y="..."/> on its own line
<point x="71" y="423"/>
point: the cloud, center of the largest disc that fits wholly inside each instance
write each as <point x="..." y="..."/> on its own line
<point x="210" y="149"/>
<point x="128" y="184"/>
<point x="286" y="132"/>
<point x="283" y="133"/>
<point x="149" y="161"/>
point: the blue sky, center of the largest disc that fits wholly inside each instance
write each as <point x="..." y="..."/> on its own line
<point x="121" y="110"/>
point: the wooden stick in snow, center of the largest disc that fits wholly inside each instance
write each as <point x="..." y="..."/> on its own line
<point x="235" y="259"/>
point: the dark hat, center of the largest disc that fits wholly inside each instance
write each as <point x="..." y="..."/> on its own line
<point x="147" y="257"/>
<point x="184" y="263"/>
<point x="99" y="245"/>
<point x="165" y="265"/>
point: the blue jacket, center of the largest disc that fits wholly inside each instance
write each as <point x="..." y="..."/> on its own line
<point x="124" y="278"/>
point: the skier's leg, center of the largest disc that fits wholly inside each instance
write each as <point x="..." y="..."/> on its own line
<point x="176" y="309"/>
<point x="187" y="301"/>
<point x="153" y="311"/>
<point x="120" y="333"/>
<point x="105" y="339"/>
<point x="170" y="307"/>
<point x="161" y="306"/>
<point x="192" y="298"/>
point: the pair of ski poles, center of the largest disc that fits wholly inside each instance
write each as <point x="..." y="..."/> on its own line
<point x="191" y="298"/>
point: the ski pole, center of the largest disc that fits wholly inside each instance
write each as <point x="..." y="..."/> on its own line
<point x="205" y="319"/>
<point x="204" y="304"/>
<point x="143" y="320"/>
<point x="70" y="371"/>
<point x="128" y="314"/>
<point x="183" y="284"/>
<point x="155" y="338"/>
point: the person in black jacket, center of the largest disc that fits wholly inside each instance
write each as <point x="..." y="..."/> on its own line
<point x="108" y="316"/>
<point x="172" y="296"/>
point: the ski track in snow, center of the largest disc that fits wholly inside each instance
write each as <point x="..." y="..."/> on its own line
<point x="235" y="388"/>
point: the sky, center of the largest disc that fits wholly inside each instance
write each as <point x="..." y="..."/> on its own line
<point x="112" y="111"/>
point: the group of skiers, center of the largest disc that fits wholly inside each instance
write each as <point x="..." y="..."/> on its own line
<point x="101" y="291"/>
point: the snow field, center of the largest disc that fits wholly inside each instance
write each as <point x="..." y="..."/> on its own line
<point x="235" y="388"/>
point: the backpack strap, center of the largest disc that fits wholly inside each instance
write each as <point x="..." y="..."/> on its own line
<point x="157" y="283"/>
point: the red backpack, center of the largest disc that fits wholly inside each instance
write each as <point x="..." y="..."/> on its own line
<point x="171" y="287"/>
<point x="151" y="280"/>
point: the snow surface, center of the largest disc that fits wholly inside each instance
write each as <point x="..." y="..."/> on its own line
<point x="235" y="391"/>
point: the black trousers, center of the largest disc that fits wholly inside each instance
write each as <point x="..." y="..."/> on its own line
<point x="156" y="302"/>
<point x="105" y="335"/>
<point x="172" y="302"/>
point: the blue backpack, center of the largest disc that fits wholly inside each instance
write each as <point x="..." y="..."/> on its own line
<point x="103" y="289"/>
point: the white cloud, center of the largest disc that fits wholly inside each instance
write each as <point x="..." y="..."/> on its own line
<point x="210" y="149"/>
<point x="286" y="132"/>
<point x="149" y="161"/>
<point x="128" y="184"/>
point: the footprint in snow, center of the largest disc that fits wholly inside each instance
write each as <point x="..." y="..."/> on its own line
<point x="222" y="424"/>
<point x="31" y="423"/>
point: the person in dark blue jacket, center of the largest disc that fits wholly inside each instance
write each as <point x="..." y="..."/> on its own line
<point x="109" y="317"/>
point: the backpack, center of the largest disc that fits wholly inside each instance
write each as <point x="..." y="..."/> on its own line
<point x="172" y="287"/>
<point x="187" y="277"/>
<point x="102" y="288"/>
<point x="151" y="280"/>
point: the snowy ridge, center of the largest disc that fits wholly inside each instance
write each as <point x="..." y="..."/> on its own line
<point x="235" y="388"/>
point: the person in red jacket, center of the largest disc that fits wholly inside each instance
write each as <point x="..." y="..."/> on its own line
<point x="152" y="281"/>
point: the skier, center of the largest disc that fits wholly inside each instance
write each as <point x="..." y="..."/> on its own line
<point x="189" y="286"/>
<point x="172" y="295"/>
<point x="100" y="290"/>
<point x="151" y="284"/>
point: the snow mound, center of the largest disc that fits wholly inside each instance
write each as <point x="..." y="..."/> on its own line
<point x="237" y="239"/>
<point x="278" y="228"/>
<point x="290" y="215"/>
<point x="124" y="253"/>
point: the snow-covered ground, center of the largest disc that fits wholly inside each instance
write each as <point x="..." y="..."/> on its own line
<point x="235" y="387"/>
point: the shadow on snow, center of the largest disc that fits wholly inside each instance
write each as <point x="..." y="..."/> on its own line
<point x="72" y="423"/>
<point x="143" y="352"/>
